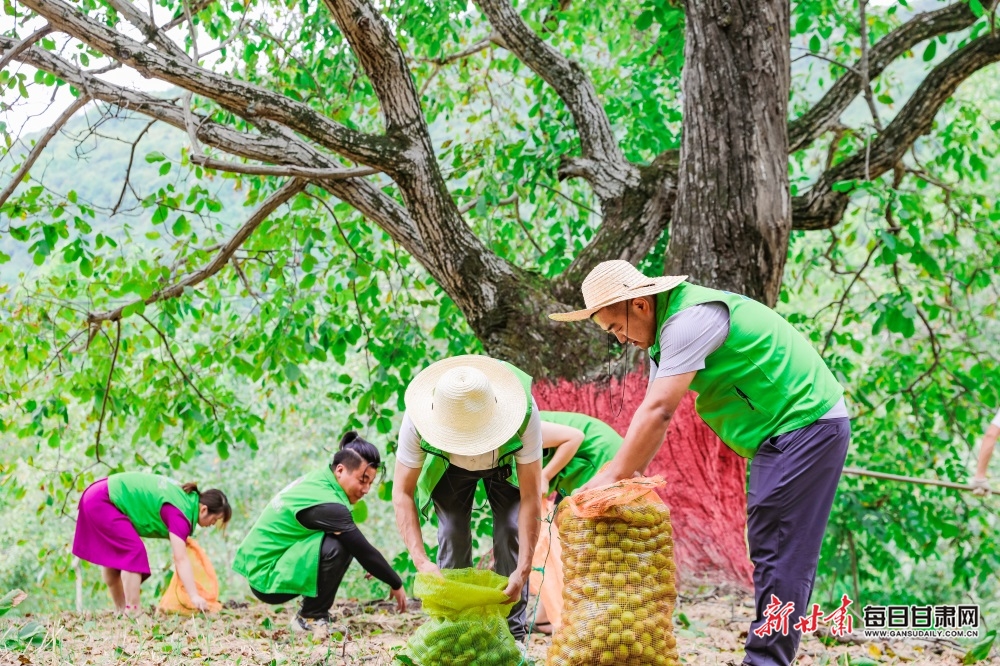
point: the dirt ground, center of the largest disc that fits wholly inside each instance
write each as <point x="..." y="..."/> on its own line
<point x="257" y="634"/>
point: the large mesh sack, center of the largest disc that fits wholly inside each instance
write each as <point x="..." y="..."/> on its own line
<point x="619" y="569"/>
<point x="468" y="621"/>
<point x="176" y="599"/>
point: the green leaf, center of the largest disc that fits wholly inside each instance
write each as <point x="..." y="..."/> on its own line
<point x="976" y="7"/>
<point x="981" y="650"/>
<point x="814" y="44"/>
<point x="160" y="215"/>
<point x="360" y="511"/>
<point x="385" y="491"/>
<point x="292" y="372"/>
<point x="181" y="226"/>
<point x="930" y="51"/>
<point x="644" y="21"/>
<point x="11" y="600"/>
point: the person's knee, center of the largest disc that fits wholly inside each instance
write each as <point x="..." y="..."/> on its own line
<point x="333" y="552"/>
<point x="111" y="576"/>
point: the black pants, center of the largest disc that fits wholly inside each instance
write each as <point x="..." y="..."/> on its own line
<point x="453" y="497"/>
<point x="793" y="481"/>
<point x="333" y="562"/>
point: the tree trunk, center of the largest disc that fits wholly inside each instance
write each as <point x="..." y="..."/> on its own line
<point x="730" y="231"/>
<point x="704" y="477"/>
<point x="732" y="219"/>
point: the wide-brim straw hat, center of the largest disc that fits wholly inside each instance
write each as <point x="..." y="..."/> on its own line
<point x="615" y="281"/>
<point x="468" y="405"/>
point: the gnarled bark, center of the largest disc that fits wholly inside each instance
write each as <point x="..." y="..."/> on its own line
<point x="733" y="214"/>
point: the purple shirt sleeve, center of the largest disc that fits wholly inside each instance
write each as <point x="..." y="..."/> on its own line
<point x="175" y="521"/>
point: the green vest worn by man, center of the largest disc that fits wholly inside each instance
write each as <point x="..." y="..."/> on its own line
<point x="436" y="463"/>
<point x="280" y="555"/>
<point x="141" y="496"/>
<point x="765" y="379"/>
<point x="600" y="444"/>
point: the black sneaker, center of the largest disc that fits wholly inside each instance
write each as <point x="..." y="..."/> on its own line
<point x="318" y="627"/>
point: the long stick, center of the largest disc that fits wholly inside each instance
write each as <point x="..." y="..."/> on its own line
<point x="909" y="479"/>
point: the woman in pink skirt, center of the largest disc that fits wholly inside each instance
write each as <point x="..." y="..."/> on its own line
<point x="117" y="511"/>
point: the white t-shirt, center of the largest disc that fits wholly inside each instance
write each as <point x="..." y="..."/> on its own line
<point x="409" y="453"/>
<point x="996" y="419"/>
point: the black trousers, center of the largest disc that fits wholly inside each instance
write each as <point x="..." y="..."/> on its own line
<point x="333" y="562"/>
<point x="453" y="497"/>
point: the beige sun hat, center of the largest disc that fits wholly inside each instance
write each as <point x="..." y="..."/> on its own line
<point x="467" y="405"/>
<point x="611" y="282"/>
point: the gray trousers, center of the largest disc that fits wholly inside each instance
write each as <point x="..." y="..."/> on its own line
<point x="453" y="498"/>
<point x="793" y="480"/>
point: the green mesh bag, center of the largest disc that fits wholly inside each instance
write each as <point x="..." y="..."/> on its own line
<point x="468" y="621"/>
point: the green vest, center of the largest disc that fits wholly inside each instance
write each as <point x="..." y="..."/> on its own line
<point x="436" y="463"/>
<point x="280" y="555"/>
<point x="140" y="496"/>
<point x="765" y="379"/>
<point x="600" y="444"/>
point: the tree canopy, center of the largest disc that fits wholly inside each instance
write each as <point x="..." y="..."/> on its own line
<point x="351" y="189"/>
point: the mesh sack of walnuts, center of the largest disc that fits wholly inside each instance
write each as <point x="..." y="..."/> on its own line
<point x="619" y="594"/>
<point x="468" y="621"/>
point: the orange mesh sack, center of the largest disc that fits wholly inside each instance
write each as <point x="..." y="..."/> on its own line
<point x="175" y="598"/>
<point x="618" y="560"/>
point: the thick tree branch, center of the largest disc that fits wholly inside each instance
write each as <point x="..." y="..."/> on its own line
<point x="282" y="170"/>
<point x="279" y="146"/>
<point x="146" y="26"/>
<point x="286" y="192"/>
<point x="608" y="172"/>
<point x="822" y="207"/>
<point x="244" y="99"/>
<point x="808" y="127"/>
<point x="454" y="255"/>
<point x="19" y="47"/>
<point x="632" y="224"/>
<point x="381" y="57"/>
<point x="39" y="147"/>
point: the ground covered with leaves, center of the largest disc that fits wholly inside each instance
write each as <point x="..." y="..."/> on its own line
<point x="710" y="632"/>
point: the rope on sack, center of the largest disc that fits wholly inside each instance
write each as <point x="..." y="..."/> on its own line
<point x="853" y="471"/>
<point x="533" y="614"/>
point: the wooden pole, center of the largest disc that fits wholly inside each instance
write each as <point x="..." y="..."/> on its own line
<point x="853" y="471"/>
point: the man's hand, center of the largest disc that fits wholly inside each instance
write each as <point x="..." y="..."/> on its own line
<point x="514" y="586"/>
<point x="400" y="597"/>
<point x="545" y="484"/>
<point x="428" y="567"/>
<point x="199" y="603"/>
<point x="605" y="478"/>
<point x="981" y="486"/>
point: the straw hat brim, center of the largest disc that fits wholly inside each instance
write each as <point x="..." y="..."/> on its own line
<point x="458" y="438"/>
<point x="654" y="286"/>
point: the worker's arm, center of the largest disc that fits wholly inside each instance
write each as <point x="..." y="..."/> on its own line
<point x="529" y="478"/>
<point x="566" y="440"/>
<point x="645" y="433"/>
<point x="986" y="450"/>
<point x="404" y="485"/>
<point x="182" y="565"/>
<point x="985" y="453"/>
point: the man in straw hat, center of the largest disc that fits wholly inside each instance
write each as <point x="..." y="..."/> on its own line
<point x="476" y="419"/>
<point x="765" y="392"/>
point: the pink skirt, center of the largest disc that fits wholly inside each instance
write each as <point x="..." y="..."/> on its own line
<point x="105" y="536"/>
